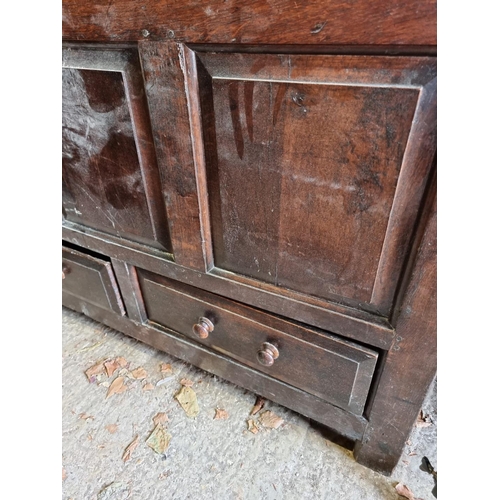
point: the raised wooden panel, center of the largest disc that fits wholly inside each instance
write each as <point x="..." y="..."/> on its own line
<point x="110" y="177"/>
<point x="316" y="166"/>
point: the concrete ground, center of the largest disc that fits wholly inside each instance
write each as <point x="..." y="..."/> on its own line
<point x="207" y="458"/>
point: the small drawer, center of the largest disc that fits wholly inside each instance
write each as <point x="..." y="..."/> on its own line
<point x="327" y="366"/>
<point x="91" y="279"/>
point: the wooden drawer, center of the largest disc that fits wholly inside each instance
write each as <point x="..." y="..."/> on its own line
<point x="91" y="279"/>
<point x="329" y="367"/>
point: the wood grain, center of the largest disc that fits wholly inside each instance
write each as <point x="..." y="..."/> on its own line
<point x="389" y="22"/>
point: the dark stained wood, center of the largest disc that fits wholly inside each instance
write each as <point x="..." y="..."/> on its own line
<point x="166" y="340"/>
<point x="128" y="282"/>
<point x="110" y="179"/>
<point x="164" y="70"/>
<point x="410" y="366"/>
<point x="350" y="323"/>
<point x="324" y="365"/>
<point x="316" y="168"/>
<point x="91" y="279"/>
<point x="382" y="22"/>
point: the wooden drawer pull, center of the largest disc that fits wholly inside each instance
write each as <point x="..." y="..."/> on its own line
<point x="203" y="328"/>
<point x="267" y="354"/>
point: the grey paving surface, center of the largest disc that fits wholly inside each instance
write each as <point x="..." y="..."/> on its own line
<point x="207" y="458"/>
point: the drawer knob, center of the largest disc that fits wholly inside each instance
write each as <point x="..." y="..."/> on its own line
<point x="203" y="328"/>
<point x="65" y="271"/>
<point x="267" y="354"/>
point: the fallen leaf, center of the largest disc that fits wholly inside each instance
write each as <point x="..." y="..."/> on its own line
<point x="148" y="386"/>
<point x="423" y="420"/>
<point x="90" y="437"/>
<point x="164" y="475"/>
<point x="112" y="428"/>
<point x="130" y="448"/>
<point x="160" y="418"/>
<point x="187" y="399"/>
<point x="116" y="387"/>
<point x="121" y="361"/>
<point x="166" y="368"/>
<point x="252" y="427"/>
<point x="111" y="366"/>
<point x="139" y="373"/>
<point x="84" y="416"/>
<point x="259" y="404"/>
<point x="404" y="491"/>
<point x="115" y="491"/>
<point x="159" y="439"/>
<point x="221" y="414"/>
<point x="64" y="475"/>
<point x="95" y="370"/>
<point x="270" y="420"/>
<point x="186" y="382"/>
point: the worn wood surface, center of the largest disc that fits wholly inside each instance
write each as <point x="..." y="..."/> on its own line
<point x="410" y="366"/>
<point x="90" y="279"/>
<point x="379" y="22"/>
<point x="312" y="171"/>
<point x="110" y="178"/>
<point x="329" y="316"/>
<point x="165" y="77"/>
<point x="166" y="340"/>
<point x="323" y="365"/>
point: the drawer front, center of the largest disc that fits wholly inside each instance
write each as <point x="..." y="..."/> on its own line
<point x="91" y="279"/>
<point x="331" y="368"/>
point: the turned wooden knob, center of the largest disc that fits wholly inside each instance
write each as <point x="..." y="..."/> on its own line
<point x="267" y="354"/>
<point x="203" y="328"/>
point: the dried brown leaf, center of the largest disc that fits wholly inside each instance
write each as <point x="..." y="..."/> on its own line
<point x="64" y="475"/>
<point x="252" y="426"/>
<point x="270" y="420"/>
<point x="187" y="399"/>
<point x="148" y="386"/>
<point x="187" y="382"/>
<point x="130" y="448"/>
<point x="117" y="387"/>
<point x="84" y="416"/>
<point x="159" y="439"/>
<point x="164" y="475"/>
<point x="95" y="370"/>
<point x="166" y="368"/>
<point x="111" y="366"/>
<point x="160" y="418"/>
<point x="121" y="361"/>
<point x="139" y="373"/>
<point x="404" y="491"/>
<point x="221" y="414"/>
<point x="112" y="428"/>
<point x="423" y="420"/>
<point x="259" y="404"/>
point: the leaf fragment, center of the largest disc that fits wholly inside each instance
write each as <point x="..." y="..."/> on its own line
<point x="148" y="386"/>
<point x="166" y="368"/>
<point x="112" y="365"/>
<point x="64" y="474"/>
<point x="187" y="382"/>
<point x="139" y="373"/>
<point x="252" y="426"/>
<point x="404" y="491"/>
<point x="95" y="370"/>
<point x="270" y="420"/>
<point x="221" y="414"/>
<point x="86" y="417"/>
<point x="160" y="418"/>
<point x="187" y="399"/>
<point x="259" y="404"/>
<point x="130" y="448"/>
<point x="159" y="439"/>
<point x="423" y="420"/>
<point x="117" y="387"/>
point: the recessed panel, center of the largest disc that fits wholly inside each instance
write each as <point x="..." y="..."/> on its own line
<point x="105" y="184"/>
<point x="302" y="181"/>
